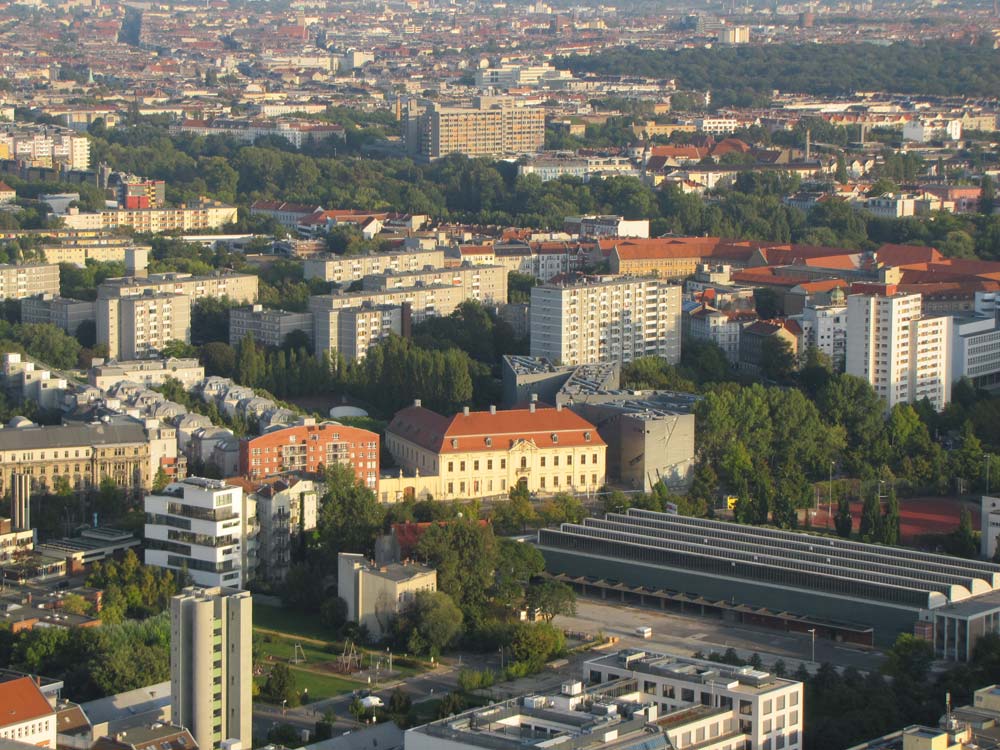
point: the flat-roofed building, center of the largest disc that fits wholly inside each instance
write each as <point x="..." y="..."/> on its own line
<point x="308" y="448"/>
<point x="28" y="280"/>
<point x="361" y="328"/>
<point x="142" y="325"/>
<point x="148" y="372"/>
<point x="200" y="216"/>
<point x="344" y="269"/>
<point x="376" y="594"/>
<point x="493" y="127"/>
<point x="482" y="283"/>
<point x="197" y="525"/>
<point x="62" y="312"/>
<point x="842" y="589"/>
<point x="605" y="319"/>
<point x="268" y="327"/>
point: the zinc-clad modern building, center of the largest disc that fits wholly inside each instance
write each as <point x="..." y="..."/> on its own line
<point x="857" y="591"/>
<point x="211" y="669"/>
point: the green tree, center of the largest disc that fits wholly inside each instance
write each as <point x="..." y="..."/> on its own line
<point x="279" y="686"/>
<point x="843" y="521"/>
<point x="870" y="519"/>
<point x="464" y="553"/>
<point x="350" y="516"/>
<point x="430" y="624"/>
<point x="987" y="195"/>
<point x="551" y="598"/>
<point x="161" y="480"/>
<point x="890" y="521"/>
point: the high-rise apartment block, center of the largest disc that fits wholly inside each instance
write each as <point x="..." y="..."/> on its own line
<point x="606" y="319"/>
<point x="28" y="279"/>
<point x="211" y="668"/>
<point x="45" y="146"/>
<point x="343" y="269"/>
<point x="904" y="355"/>
<point x="197" y="525"/>
<point x="140" y="326"/>
<point x="268" y="327"/>
<point x="483" y="283"/>
<point x="491" y="127"/>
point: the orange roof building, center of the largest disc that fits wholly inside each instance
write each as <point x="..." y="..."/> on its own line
<point x="482" y="454"/>
<point x="25" y="713"/>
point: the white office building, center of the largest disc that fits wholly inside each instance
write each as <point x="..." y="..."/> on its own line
<point x="975" y="350"/>
<point x="197" y="525"/>
<point x="606" y="319"/>
<point x="825" y="327"/>
<point x="902" y="354"/>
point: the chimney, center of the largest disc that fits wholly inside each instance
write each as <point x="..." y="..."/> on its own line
<point x="531" y="407"/>
<point x="493" y="409"/>
<point x="465" y="411"/>
<point x="534" y="398"/>
<point x="416" y="402"/>
<point x="558" y="406"/>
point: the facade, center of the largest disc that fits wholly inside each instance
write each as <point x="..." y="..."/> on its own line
<point x="480" y="454"/>
<point x="634" y="699"/>
<point x="27" y="718"/>
<point x="268" y="327"/>
<point x="211" y="666"/>
<point x="28" y="382"/>
<point x="197" y="524"/>
<point x="240" y="288"/>
<point x="14" y="542"/>
<point x="592" y="227"/>
<point x="45" y="146"/>
<point x="990" y="525"/>
<point x="753" y="338"/>
<point x="140" y="326"/>
<point x="902" y="354"/>
<point x="310" y="447"/>
<point x="975" y="350"/>
<point x="360" y="328"/>
<point x="286" y="510"/>
<point x="344" y="269"/>
<point x="201" y="216"/>
<point x="28" y="280"/>
<point x="762" y="710"/>
<point x="375" y="595"/>
<point x="296" y="132"/>
<point x="706" y="323"/>
<point x="606" y="319"/>
<point x="825" y="327"/>
<point x="483" y="283"/>
<point x="148" y="372"/>
<point x="857" y="592"/>
<point x="491" y="128"/>
<point x="61" y="312"/>
<point x="83" y="454"/>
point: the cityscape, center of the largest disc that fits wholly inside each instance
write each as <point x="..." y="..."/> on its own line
<point x="508" y="375"/>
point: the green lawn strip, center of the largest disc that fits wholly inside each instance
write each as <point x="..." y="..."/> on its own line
<point x="289" y="622"/>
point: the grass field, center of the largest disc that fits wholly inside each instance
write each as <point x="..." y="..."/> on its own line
<point x="289" y="622"/>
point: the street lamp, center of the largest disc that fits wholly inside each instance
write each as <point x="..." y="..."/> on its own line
<point x="812" y="631"/>
<point x="283" y="702"/>
<point x="501" y="657"/>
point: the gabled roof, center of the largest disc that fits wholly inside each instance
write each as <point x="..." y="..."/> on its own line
<point x="21" y="700"/>
<point x="897" y="255"/>
<point x="485" y="431"/>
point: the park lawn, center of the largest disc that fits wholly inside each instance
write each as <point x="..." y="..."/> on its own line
<point x="322" y="685"/>
<point x="282" y="649"/>
<point x="290" y="622"/>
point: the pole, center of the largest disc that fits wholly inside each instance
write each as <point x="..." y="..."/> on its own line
<point x="829" y="505"/>
<point x="813" y="632"/>
<point x="989" y="460"/>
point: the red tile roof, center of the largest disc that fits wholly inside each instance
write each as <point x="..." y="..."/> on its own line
<point x="898" y="255"/>
<point x="20" y="701"/>
<point x="483" y="431"/>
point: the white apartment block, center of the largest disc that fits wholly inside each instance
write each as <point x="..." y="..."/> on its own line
<point x="28" y="280"/>
<point x="198" y="217"/>
<point x="375" y="595"/>
<point x="483" y="283"/>
<point x="45" y="146"/>
<point x="360" y="328"/>
<point x="343" y="269"/>
<point x="286" y="509"/>
<point x="606" y="319"/>
<point x="268" y="327"/>
<point x="708" y="324"/>
<point x="903" y="355"/>
<point x="148" y="372"/>
<point x="758" y="710"/>
<point x="137" y="327"/>
<point x="197" y="525"/>
<point x="211" y="669"/>
<point x="238" y="287"/>
<point x="591" y="227"/>
<point x="825" y="327"/>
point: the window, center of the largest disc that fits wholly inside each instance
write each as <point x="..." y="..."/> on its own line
<point x="475" y="465"/>
<point x="489" y="464"/>
<point x="451" y="488"/>
<point x="461" y="465"/>
<point x="451" y="466"/>
<point x="503" y="463"/>
<point x="524" y="462"/>
<point x="541" y="461"/>
<point x="555" y="460"/>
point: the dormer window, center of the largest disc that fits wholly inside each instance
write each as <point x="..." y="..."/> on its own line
<point x="489" y="442"/>
<point x="454" y="442"/>
<point x="586" y="436"/>
<point x="555" y="437"/>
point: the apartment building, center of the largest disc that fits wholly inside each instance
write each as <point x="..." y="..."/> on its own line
<point x="904" y="355"/>
<point x="84" y="454"/>
<point x="605" y="319"/>
<point x="296" y="132"/>
<point x="477" y="454"/>
<point x="482" y="283"/>
<point x="591" y="227"/>
<point x="375" y="595"/>
<point x="44" y="146"/>
<point x="360" y="328"/>
<point x="202" y="216"/>
<point x="286" y="510"/>
<point x="27" y="718"/>
<point x="148" y="372"/>
<point x="491" y="127"/>
<point x="975" y="348"/>
<point x="61" y="312"/>
<point x="268" y="327"/>
<point x="825" y="327"/>
<point x="28" y="280"/>
<point x="308" y="448"/>
<point x="211" y="669"/>
<point x="754" y="338"/>
<point x="344" y="269"/>
<point x="140" y="326"/>
<point x="197" y="525"/>
<point x="748" y="708"/>
<point x="706" y="323"/>
<point x="27" y="381"/>
<point x="237" y="287"/>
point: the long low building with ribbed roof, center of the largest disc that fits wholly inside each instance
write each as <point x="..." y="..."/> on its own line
<point x="840" y="588"/>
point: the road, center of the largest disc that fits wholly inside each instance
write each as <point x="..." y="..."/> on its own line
<point x="686" y="635"/>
